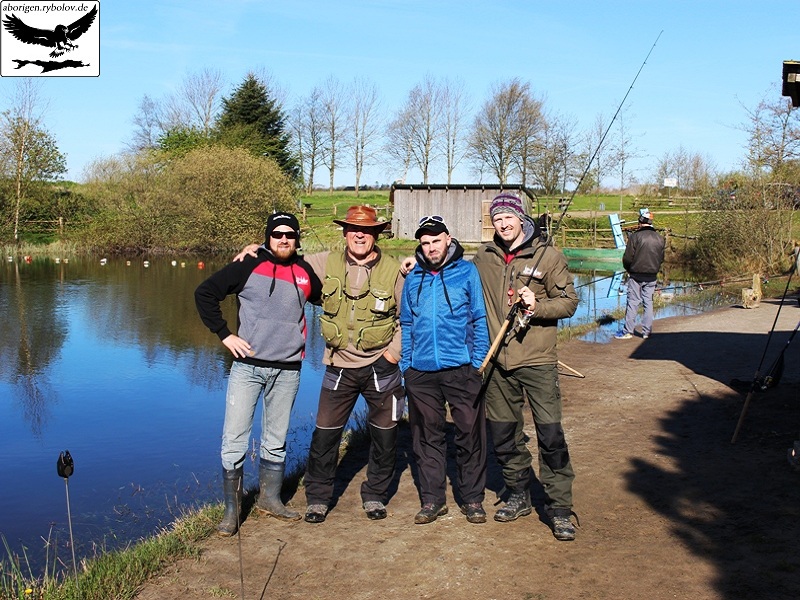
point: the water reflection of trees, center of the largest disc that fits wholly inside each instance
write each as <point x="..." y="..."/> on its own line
<point x="151" y="308"/>
<point x="34" y="333"/>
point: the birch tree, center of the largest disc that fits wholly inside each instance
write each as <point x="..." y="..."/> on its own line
<point x="27" y="150"/>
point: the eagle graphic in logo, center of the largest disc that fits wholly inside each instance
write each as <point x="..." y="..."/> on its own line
<point x="60" y="38"/>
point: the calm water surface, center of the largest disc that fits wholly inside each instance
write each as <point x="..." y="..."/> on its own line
<point x="112" y="363"/>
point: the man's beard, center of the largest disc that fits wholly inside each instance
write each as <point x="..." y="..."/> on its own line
<point x="283" y="252"/>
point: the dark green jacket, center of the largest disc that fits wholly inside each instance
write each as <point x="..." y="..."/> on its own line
<point x="551" y="281"/>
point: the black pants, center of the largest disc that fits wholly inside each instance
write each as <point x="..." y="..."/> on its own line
<point x="381" y="387"/>
<point x="427" y="394"/>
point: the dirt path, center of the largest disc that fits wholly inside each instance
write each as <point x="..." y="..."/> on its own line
<point x="669" y="508"/>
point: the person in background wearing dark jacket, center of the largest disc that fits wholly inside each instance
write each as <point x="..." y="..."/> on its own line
<point x="642" y="260"/>
<point x="272" y="290"/>
<point x="518" y="261"/>
<point x="444" y="340"/>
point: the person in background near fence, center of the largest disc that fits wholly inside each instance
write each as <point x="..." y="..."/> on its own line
<point x="519" y="262"/>
<point x="272" y="289"/>
<point x="642" y="260"/>
<point x="359" y="322"/>
<point x="443" y="323"/>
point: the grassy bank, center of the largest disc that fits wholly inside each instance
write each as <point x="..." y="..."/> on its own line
<point x="117" y="574"/>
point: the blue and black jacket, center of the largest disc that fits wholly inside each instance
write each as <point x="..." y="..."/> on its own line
<point x="442" y="315"/>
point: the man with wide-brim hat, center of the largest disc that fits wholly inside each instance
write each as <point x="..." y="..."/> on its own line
<point x="362" y="216"/>
<point x="360" y="324"/>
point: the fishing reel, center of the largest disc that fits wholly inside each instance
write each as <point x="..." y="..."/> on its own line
<point x="65" y="466"/>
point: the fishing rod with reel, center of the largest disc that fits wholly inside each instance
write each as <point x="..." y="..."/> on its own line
<point x="513" y="314"/>
<point x="773" y="375"/>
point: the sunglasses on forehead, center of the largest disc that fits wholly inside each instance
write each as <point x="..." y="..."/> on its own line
<point x="436" y="218"/>
<point x="290" y="235"/>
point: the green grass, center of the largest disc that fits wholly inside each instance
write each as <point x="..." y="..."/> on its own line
<point x="120" y="574"/>
<point x="117" y="574"/>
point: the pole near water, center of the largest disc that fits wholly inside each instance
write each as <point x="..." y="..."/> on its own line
<point x="65" y="467"/>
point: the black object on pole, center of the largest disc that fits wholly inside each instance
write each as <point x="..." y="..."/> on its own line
<point x="65" y="467"/>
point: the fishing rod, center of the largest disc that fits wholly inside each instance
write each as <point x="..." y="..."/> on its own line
<point x="603" y="138"/>
<point x="512" y="314"/>
<point x="577" y="287"/>
<point x="769" y="379"/>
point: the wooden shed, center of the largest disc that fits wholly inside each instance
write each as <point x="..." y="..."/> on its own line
<point x="464" y="207"/>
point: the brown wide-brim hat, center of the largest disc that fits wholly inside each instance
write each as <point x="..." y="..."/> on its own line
<point x="362" y="216"/>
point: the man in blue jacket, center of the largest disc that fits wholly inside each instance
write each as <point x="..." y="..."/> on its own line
<point x="444" y="340"/>
<point x="272" y="289"/>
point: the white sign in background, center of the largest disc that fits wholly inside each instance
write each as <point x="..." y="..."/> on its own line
<point x="58" y="43"/>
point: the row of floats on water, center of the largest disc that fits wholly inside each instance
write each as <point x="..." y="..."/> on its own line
<point x="146" y="263"/>
<point x="103" y="261"/>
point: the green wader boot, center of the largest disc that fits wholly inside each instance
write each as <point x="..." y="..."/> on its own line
<point x="270" y="482"/>
<point x="232" y="490"/>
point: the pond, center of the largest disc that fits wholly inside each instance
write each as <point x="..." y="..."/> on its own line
<point x="111" y="362"/>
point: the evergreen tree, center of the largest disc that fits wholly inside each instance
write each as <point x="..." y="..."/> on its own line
<point x="253" y="120"/>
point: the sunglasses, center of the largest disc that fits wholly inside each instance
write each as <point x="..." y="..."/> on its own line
<point x="429" y="218"/>
<point x="290" y="235"/>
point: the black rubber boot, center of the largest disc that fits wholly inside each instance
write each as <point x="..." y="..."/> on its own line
<point x="232" y="490"/>
<point x="270" y="482"/>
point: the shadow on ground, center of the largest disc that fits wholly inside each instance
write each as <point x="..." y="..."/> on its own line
<point x="736" y="506"/>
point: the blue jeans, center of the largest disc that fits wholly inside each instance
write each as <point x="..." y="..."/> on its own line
<point x="639" y="293"/>
<point x="245" y="385"/>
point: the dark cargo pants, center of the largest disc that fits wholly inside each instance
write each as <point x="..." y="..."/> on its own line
<point x="381" y="386"/>
<point x="504" y="410"/>
<point x="427" y="394"/>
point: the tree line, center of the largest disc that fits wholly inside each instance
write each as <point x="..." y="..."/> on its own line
<point x="281" y="147"/>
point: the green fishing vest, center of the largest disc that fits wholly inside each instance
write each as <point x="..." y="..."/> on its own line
<point x="368" y="319"/>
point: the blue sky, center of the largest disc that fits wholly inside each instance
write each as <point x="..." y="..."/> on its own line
<point x="713" y="59"/>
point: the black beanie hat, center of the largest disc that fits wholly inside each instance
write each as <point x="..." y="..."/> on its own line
<point x="282" y="218"/>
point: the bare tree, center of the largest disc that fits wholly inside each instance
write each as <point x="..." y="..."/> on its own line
<point x="532" y="124"/>
<point x="773" y="130"/>
<point x="602" y="148"/>
<point x="307" y="122"/>
<point x="454" y="108"/>
<point x="200" y="95"/>
<point x="333" y="115"/>
<point x="693" y="172"/>
<point x="193" y="107"/>
<point x="277" y="90"/>
<point x="552" y="165"/>
<point x="623" y="152"/>
<point x="149" y="125"/>
<point x="502" y="130"/>
<point x="398" y="144"/>
<point x="417" y="125"/>
<point x="365" y="127"/>
<point x="27" y="151"/>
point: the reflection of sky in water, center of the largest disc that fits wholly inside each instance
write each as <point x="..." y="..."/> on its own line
<point x="134" y="388"/>
<point x="121" y="372"/>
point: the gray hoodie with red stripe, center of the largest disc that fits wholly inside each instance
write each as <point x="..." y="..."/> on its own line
<point x="271" y="297"/>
